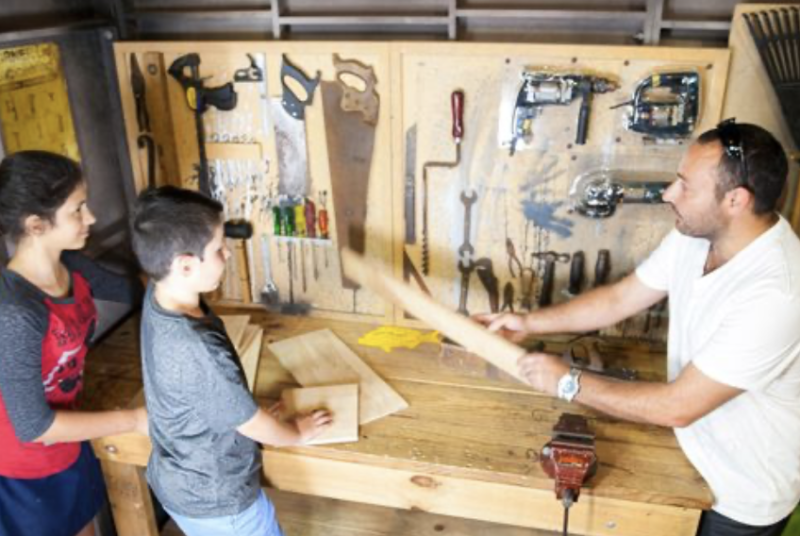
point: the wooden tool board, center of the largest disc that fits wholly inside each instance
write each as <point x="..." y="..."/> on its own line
<point x="523" y="198"/>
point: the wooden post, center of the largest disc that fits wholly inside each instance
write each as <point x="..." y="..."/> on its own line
<point x="130" y="499"/>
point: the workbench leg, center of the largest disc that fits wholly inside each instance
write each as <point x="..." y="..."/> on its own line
<point x="130" y="499"/>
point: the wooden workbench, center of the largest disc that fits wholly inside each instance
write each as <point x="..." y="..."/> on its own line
<point x="466" y="446"/>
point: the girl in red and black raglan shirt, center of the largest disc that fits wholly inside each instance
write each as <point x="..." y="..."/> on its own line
<point x="50" y="482"/>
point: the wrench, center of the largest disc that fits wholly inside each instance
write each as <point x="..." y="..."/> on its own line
<point x="466" y="251"/>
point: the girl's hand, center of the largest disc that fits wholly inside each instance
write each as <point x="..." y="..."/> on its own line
<point x="140" y="420"/>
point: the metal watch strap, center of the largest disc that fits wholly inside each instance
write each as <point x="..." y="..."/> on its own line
<point x="569" y="385"/>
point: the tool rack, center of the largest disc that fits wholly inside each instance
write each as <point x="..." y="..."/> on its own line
<point x="522" y="198"/>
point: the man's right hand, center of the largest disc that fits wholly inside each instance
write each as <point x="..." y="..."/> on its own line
<point x="512" y="326"/>
<point x="310" y="425"/>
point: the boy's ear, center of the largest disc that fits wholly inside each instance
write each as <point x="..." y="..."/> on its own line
<point x="183" y="265"/>
<point x="35" y="225"/>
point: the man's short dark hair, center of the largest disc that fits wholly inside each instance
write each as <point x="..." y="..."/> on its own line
<point x="34" y="183"/>
<point x="168" y="222"/>
<point x="765" y="161"/>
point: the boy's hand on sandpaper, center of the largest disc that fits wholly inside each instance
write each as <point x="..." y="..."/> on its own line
<point x="276" y="409"/>
<point x="310" y="425"/>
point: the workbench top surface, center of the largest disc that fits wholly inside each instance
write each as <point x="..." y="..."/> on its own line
<point x="460" y="421"/>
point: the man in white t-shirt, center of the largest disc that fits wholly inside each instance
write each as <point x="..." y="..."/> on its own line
<point x="731" y="269"/>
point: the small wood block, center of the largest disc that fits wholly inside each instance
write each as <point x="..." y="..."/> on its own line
<point x="321" y="358"/>
<point x="340" y="400"/>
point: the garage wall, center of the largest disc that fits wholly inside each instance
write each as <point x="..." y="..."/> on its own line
<point x="84" y="29"/>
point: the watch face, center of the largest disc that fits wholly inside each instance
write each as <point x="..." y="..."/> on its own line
<point x="568" y="387"/>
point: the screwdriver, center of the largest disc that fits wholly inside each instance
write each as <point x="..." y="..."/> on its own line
<point x="288" y="221"/>
<point x="323" y="216"/>
<point x="300" y="220"/>
<point x="311" y="219"/>
<point x="277" y="221"/>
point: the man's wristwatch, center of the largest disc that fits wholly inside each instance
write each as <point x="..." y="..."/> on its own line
<point x="569" y="385"/>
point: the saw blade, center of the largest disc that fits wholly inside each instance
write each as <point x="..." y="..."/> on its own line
<point x="350" y="144"/>
<point x="290" y="141"/>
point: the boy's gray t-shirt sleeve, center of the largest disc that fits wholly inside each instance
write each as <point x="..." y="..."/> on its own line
<point x="21" y="372"/>
<point x="222" y="398"/>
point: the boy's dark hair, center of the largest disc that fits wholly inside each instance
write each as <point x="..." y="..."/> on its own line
<point x="168" y="222"/>
<point x="34" y="183"/>
<point x="764" y="160"/>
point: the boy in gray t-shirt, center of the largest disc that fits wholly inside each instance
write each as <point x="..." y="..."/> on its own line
<point x="204" y="424"/>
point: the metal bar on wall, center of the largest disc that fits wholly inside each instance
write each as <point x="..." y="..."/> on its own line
<point x="651" y="34"/>
<point x="349" y="20"/>
<point x="551" y="14"/>
<point x="276" y="18"/>
<point x="452" y="20"/>
<point x="22" y="37"/>
<point x="167" y="20"/>
<point x="702" y="25"/>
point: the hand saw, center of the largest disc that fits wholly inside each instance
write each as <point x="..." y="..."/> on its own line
<point x="351" y="116"/>
<point x="288" y="116"/>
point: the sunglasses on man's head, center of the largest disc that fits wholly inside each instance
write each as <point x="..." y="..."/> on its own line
<point x="731" y="139"/>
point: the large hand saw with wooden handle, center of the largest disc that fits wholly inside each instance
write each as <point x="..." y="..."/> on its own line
<point x="475" y="338"/>
<point x="351" y="116"/>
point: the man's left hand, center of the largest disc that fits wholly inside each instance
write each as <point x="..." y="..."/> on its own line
<point x="542" y="371"/>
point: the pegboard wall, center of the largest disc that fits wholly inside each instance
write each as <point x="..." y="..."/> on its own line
<point x="365" y="131"/>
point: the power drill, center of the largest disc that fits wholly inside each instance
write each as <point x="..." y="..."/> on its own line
<point x="665" y="105"/>
<point x="542" y="88"/>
